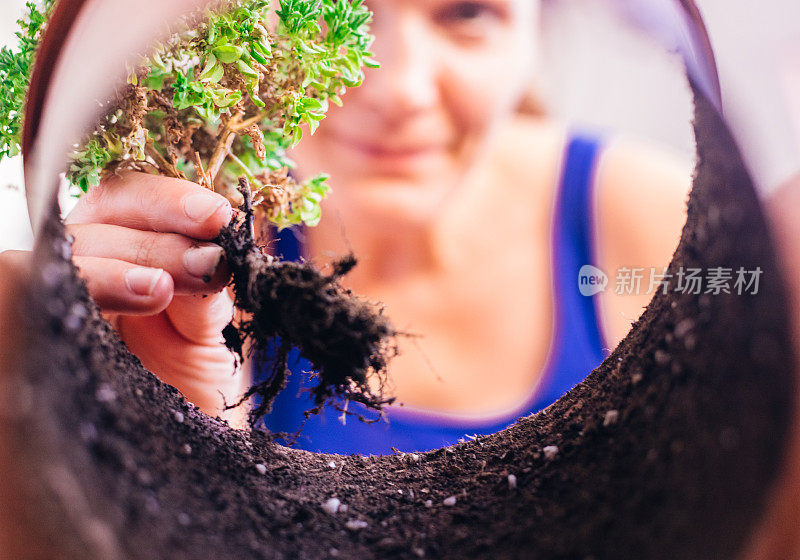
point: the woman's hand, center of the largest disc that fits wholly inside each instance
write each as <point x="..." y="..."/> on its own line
<point x="142" y="244"/>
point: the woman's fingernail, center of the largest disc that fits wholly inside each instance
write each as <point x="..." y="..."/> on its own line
<point x="202" y="262"/>
<point x="142" y="281"/>
<point x="200" y="207"/>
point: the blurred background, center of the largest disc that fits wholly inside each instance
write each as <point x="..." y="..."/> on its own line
<point x="14" y="228"/>
<point x="598" y="72"/>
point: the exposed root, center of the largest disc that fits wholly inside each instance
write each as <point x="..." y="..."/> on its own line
<point x="348" y="341"/>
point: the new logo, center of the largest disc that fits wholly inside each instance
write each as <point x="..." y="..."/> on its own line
<point x="591" y="280"/>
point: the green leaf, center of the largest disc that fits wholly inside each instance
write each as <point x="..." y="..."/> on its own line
<point x="297" y="135"/>
<point x="155" y="80"/>
<point x="352" y="83"/>
<point x="225" y="98"/>
<point x="246" y="69"/>
<point x="227" y="54"/>
<point x="312" y="216"/>
<point x="264" y="48"/>
<point x="158" y="62"/>
<point x="258" y="56"/>
<point x="311" y="104"/>
<point x="213" y="71"/>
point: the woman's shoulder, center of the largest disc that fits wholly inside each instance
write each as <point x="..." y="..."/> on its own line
<point x="635" y="180"/>
<point x="640" y="206"/>
<point x="641" y="187"/>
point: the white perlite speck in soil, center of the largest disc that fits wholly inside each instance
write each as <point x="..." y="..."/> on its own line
<point x="512" y="482"/>
<point x="451" y="501"/>
<point x="611" y="417"/>
<point x="105" y="393"/>
<point x="683" y="328"/>
<point x="262" y="469"/>
<point x="356" y="524"/>
<point x="550" y="452"/>
<point x="332" y="506"/>
<point x="661" y="357"/>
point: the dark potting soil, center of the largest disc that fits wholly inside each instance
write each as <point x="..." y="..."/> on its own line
<point x="667" y="450"/>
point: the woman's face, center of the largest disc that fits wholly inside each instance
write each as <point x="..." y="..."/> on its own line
<point x="451" y="71"/>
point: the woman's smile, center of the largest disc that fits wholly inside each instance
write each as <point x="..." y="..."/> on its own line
<point x="391" y="154"/>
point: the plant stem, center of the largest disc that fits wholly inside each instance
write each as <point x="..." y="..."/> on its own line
<point x="223" y="147"/>
<point x="202" y="175"/>
<point x="244" y="125"/>
<point x="247" y="172"/>
<point x="162" y="164"/>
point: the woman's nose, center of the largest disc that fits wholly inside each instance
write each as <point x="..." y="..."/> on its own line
<point x="407" y="81"/>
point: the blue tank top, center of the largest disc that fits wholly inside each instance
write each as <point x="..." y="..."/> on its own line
<point x="576" y="347"/>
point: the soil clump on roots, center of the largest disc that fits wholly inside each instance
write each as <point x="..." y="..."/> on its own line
<point x="349" y="341"/>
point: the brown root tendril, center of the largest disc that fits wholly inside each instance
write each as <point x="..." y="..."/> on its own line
<point x="349" y="341"/>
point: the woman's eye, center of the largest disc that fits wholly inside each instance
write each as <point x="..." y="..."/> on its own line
<point x="471" y="21"/>
<point x="468" y="12"/>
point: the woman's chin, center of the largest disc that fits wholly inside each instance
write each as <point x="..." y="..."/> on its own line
<point x="395" y="199"/>
<point x="414" y="167"/>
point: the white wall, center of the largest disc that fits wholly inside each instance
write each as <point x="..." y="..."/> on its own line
<point x="601" y="73"/>
<point x="758" y="53"/>
<point x="14" y="227"/>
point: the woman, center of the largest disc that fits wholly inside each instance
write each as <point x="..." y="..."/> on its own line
<point x="470" y="221"/>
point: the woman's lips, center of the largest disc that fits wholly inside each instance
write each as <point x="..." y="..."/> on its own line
<point x="381" y="150"/>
